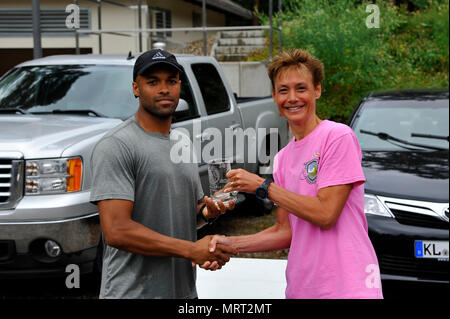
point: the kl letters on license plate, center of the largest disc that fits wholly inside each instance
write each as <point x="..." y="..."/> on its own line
<point x="431" y="249"/>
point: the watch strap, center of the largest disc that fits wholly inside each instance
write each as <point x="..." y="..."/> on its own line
<point x="266" y="183"/>
<point x="264" y="186"/>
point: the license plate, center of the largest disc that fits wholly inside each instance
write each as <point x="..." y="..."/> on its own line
<point x="431" y="249"/>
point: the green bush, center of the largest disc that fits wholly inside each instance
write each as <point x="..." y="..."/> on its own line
<point x="408" y="50"/>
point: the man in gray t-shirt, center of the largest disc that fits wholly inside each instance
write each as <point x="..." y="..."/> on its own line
<point x="149" y="204"/>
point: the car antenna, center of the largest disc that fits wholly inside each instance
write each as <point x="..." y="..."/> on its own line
<point x="130" y="56"/>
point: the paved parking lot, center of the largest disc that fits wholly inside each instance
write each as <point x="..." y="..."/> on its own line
<point x="233" y="224"/>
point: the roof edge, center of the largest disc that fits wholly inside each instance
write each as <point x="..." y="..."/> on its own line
<point x="228" y="6"/>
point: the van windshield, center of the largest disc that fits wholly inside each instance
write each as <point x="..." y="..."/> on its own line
<point x="104" y="89"/>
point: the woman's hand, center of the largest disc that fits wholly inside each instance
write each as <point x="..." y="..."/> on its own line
<point x="243" y="181"/>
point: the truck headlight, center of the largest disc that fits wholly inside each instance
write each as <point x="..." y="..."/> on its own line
<point x="372" y="205"/>
<point x="53" y="176"/>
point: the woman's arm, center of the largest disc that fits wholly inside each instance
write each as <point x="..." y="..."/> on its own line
<point x="322" y="210"/>
<point x="275" y="237"/>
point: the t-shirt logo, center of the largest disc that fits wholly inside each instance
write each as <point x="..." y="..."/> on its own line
<point x="311" y="169"/>
<point x="158" y="55"/>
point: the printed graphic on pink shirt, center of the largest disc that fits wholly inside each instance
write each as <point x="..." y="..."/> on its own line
<point x="311" y="168"/>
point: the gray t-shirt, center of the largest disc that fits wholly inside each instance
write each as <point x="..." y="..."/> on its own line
<point x="132" y="164"/>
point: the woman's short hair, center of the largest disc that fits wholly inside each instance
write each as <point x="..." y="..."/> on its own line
<point x="296" y="57"/>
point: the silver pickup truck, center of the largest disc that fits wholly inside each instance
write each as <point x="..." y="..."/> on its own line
<point x="54" y="110"/>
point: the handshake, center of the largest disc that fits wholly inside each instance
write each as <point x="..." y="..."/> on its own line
<point x="212" y="252"/>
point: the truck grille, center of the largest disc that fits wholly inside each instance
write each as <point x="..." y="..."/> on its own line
<point x="11" y="182"/>
<point x="5" y="180"/>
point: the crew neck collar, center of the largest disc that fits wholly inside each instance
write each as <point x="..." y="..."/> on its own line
<point x="309" y="136"/>
<point x="154" y="134"/>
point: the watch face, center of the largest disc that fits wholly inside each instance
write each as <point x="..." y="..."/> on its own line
<point x="261" y="192"/>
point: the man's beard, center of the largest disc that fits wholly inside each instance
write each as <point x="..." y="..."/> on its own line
<point x="161" y="113"/>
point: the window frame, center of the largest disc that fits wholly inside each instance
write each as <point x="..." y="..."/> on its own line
<point x="202" y="92"/>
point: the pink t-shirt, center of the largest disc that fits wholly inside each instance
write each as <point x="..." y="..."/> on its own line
<point x="340" y="262"/>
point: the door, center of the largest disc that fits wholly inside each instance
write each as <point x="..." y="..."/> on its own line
<point x="222" y="114"/>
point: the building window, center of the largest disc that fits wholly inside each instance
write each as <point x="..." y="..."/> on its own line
<point x="19" y="22"/>
<point x="197" y="20"/>
<point x="163" y="20"/>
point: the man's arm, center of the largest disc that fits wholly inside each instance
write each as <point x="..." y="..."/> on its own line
<point x="122" y="232"/>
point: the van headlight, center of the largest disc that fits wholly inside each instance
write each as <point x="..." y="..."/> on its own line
<point x="53" y="176"/>
<point x="373" y="206"/>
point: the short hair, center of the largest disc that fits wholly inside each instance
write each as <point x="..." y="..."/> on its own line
<point x="296" y="57"/>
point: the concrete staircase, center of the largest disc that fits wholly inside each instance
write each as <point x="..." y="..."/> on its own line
<point x="236" y="45"/>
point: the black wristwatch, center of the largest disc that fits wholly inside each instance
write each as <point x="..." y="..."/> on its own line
<point x="262" y="192"/>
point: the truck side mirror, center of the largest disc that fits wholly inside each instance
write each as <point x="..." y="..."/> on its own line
<point x="182" y="106"/>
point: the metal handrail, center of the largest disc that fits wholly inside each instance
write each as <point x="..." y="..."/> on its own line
<point x="123" y="32"/>
<point x="240" y="28"/>
<point x="204" y="28"/>
<point x="37" y="49"/>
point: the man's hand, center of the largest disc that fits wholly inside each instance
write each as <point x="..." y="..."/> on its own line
<point x="208" y="259"/>
<point x="215" y="241"/>
<point x="212" y="210"/>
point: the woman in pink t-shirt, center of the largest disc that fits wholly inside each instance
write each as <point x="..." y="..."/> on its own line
<point x="319" y="190"/>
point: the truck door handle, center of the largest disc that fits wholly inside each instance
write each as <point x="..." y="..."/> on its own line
<point x="203" y="137"/>
<point x="234" y="126"/>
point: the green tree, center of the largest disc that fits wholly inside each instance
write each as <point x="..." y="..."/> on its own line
<point x="408" y="50"/>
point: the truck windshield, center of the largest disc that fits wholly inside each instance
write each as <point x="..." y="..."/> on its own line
<point x="104" y="90"/>
<point x="403" y="125"/>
